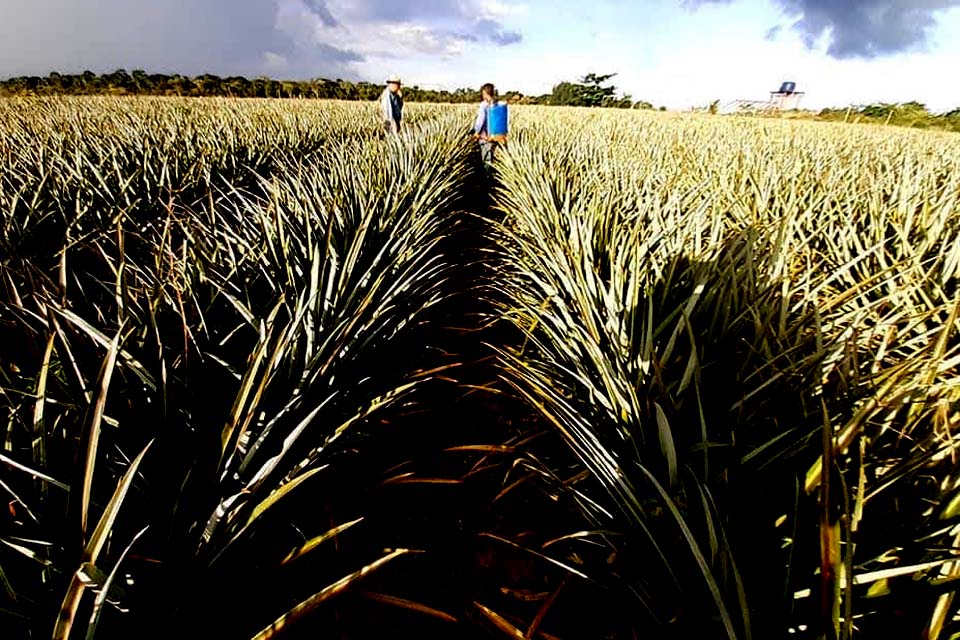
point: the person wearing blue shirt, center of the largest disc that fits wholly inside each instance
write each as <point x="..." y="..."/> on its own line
<point x="391" y="105"/>
<point x="487" y="98"/>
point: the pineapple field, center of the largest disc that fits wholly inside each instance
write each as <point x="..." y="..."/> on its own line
<point x="266" y="372"/>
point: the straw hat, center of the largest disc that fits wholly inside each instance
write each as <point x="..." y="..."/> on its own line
<point x="393" y="78"/>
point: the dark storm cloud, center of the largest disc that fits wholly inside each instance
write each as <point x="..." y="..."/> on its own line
<point x="867" y="28"/>
<point x="398" y="11"/>
<point x="290" y="38"/>
<point x="319" y="8"/>
<point x="861" y="28"/>
<point x="218" y="36"/>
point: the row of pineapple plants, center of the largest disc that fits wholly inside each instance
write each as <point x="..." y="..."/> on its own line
<point x="243" y="374"/>
<point x="747" y="333"/>
<point x="218" y="321"/>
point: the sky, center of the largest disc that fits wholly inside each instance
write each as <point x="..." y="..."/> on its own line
<point x="676" y="53"/>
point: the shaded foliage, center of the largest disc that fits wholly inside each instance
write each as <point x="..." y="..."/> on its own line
<point x="138" y="82"/>
<point x="749" y="334"/>
<point x="590" y="92"/>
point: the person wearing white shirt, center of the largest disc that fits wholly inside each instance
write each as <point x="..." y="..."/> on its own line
<point x="391" y="105"/>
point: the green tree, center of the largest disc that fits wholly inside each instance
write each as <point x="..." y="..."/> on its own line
<point x="595" y="94"/>
<point x="55" y="82"/>
<point x="209" y="85"/>
<point x="89" y="82"/>
<point x="567" y="94"/>
<point x="590" y="91"/>
<point x="119" y="81"/>
<point x="140" y="81"/>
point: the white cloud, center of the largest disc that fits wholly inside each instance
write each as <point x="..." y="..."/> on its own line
<point x="381" y="41"/>
<point x="495" y="9"/>
<point x="414" y="39"/>
<point x="380" y="33"/>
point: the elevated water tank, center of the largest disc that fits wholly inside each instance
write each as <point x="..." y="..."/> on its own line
<point x="788" y="87"/>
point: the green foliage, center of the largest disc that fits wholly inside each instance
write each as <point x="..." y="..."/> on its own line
<point x="140" y="83"/>
<point x="243" y="371"/>
<point x="695" y="377"/>
<point x="748" y="334"/>
<point x="589" y="92"/>
<point x="251" y="289"/>
<point x="906" y="114"/>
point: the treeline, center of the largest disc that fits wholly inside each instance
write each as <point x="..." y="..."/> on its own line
<point x="904" y="114"/>
<point x="589" y="92"/>
<point x="139" y="82"/>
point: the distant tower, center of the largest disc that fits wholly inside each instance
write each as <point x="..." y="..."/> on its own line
<point x="786" y="98"/>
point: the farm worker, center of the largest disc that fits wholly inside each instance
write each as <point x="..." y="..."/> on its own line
<point x="487" y="97"/>
<point x="391" y="105"/>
